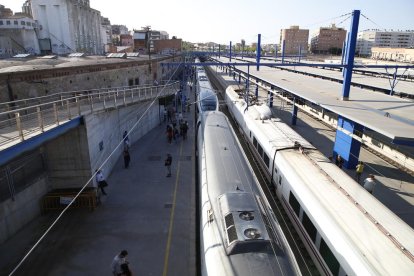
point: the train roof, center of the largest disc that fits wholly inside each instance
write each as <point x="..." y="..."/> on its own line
<point x="369" y="236"/>
<point x="232" y="192"/>
<point x="349" y="217"/>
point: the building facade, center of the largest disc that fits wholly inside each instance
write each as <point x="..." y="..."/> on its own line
<point x="295" y="39"/>
<point x="377" y="38"/>
<point x="17" y="33"/>
<point x="68" y="26"/>
<point x="393" y="54"/>
<point x="328" y="40"/>
<point x="167" y="46"/>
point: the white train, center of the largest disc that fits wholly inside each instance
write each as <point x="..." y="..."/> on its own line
<point x="239" y="233"/>
<point x="206" y="97"/>
<point x="345" y="229"/>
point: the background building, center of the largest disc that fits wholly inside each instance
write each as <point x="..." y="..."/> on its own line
<point x="328" y="40"/>
<point x="377" y="38"/>
<point x="393" y="54"/>
<point x="294" y="38"/>
<point x="68" y="26"/>
<point x="17" y="33"/>
<point x="106" y="34"/>
<point x="167" y="46"/>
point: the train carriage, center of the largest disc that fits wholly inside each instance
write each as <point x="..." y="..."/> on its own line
<point x="344" y="228"/>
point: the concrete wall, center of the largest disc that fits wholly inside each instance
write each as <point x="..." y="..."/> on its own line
<point x="67" y="159"/>
<point x="106" y="128"/>
<point x="26" y="206"/>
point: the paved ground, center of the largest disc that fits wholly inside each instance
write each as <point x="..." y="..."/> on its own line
<point x="146" y="213"/>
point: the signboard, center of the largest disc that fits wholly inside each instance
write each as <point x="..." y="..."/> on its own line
<point x="65" y="200"/>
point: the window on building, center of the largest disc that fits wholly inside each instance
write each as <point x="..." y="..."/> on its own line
<point x="1" y="22"/>
<point x="22" y="23"/>
<point x="16" y="22"/>
<point x="8" y="22"/>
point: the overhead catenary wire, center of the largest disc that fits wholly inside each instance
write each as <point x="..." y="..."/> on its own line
<point x="89" y="181"/>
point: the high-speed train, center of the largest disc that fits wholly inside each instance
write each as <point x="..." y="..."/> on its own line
<point x="239" y="233"/>
<point x="345" y="229"/>
<point x="206" y="97"/>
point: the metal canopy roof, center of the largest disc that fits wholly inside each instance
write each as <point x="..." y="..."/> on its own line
<point x="390" y="116"/>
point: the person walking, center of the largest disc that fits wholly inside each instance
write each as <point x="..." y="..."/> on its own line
<point x="184" y="130"/>
<point x="339" y="161"/>
<point x="119" y="264"/>
<point x="170" y="133"/>
<point x="358" y="170"/>
<point x="100" y="179"/>
<point x="369" y="183"/>
<point x="127" y="158"/>
<point x="168" y="162"/>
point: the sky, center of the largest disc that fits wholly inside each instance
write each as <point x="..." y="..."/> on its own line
<point x="222" y="21"/>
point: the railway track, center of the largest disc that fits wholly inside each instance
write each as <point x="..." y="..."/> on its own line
<point x="302" y="257"/>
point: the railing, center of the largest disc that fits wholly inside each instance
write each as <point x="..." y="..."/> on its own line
<point x="26" y="118"/>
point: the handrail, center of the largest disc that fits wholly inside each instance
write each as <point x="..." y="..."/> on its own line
<point x="25" y="122"/>
<point x="63" y="95"/>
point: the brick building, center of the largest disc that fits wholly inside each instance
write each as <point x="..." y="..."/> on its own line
<point x="327" y="39"/>
<point x="294" y="38"/>
<point x="167" y="46"/>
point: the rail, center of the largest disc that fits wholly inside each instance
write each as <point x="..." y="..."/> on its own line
<point x="23" y="119"/>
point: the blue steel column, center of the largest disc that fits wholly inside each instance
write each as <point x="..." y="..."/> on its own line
<point x="343" y="53"/>
<point x="248" y="78"/>
<point x="345" y="145"/>
<point x="219" y="50"/>
<point x="230" y="51"/>
<point x="350" y="53"/>
<point x="283" y="50"/>
<point x="294" y="112"/>
<point x="276" y="51"/>
<point x="270" y="93"/>
<point x="258" y="51"/>
<point x="257" y="89"/>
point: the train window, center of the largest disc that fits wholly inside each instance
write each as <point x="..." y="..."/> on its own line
<point x="294" y="203"/>
<point x="309" y="227"/>
<point x="254" y="142"/>
<point x="280" y="180"/>
<point x="260" y="150"/>
<point x="266" y="159"/>
<point x="329" y="258"/>
<point x="275" y="170"/>
<point x="250" y="134"/>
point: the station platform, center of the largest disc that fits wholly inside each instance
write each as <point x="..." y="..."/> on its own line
<point x="146" y="213"/>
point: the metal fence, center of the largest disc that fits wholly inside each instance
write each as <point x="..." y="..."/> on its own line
<point x="21" y="173"/>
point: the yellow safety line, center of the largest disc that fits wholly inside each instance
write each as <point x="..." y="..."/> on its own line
<point x="167" y="250"/>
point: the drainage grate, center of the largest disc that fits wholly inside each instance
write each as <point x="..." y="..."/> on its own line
<point x="154" y="158"/>
<point x="185" y="158"/>
<point x="168" y="205"/>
